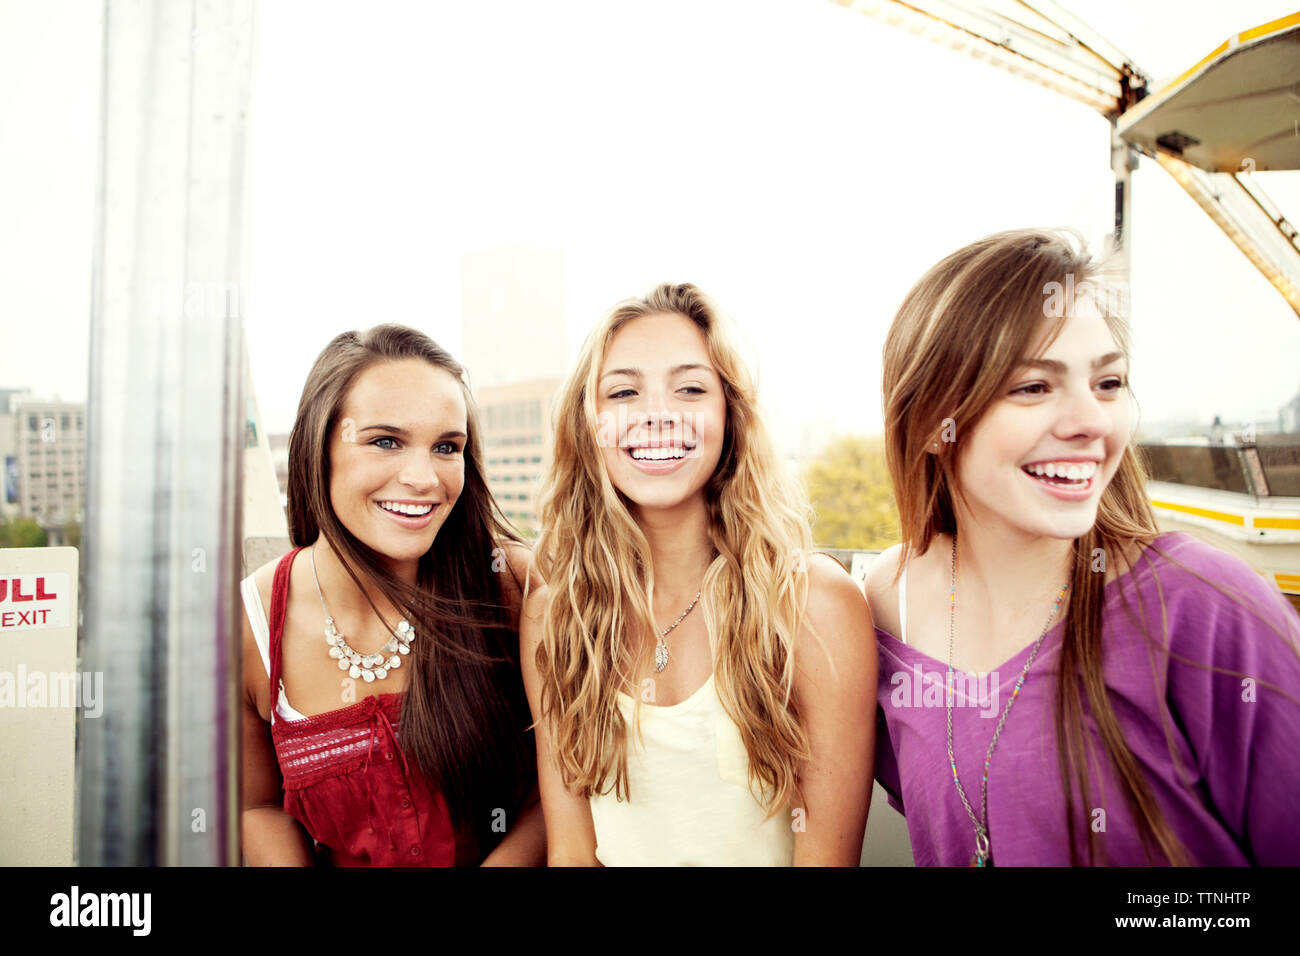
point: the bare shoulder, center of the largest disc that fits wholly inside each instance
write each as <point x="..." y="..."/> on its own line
<point x="530" y="619"/>
<point x="881" y="587"/>
<point x="264" y="578"/>
<point x="880" y="575"/>
<point x="836" y="609"/>
<point x="535" y="606"/>
<point x="838" y="623"/>
<point x="513" y="561"/>
<point x="522" y="568"/>
<point x="831" y="589"/>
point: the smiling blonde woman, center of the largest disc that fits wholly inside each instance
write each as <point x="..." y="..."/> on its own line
<point x="701" y="683"/>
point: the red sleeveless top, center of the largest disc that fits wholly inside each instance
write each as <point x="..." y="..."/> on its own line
<point x="347" y="781"/>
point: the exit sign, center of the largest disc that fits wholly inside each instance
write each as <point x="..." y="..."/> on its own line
<point x="31" y="601"/>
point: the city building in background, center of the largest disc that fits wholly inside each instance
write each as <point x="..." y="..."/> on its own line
<point x="49" y="448"/>
<point x="516" y="426"/>
<point x="516" y="352"/>
<point x="9" y="448"/>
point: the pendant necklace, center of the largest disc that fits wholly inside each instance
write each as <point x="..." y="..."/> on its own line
<point x="368" y="667"/>
<point x="661" y="649"/>
<point x="983" y="852"/>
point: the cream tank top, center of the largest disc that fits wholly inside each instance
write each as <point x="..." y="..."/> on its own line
<point x="691" y="803"/>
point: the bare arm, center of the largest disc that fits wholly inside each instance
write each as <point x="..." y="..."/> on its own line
<point x="271" y="837"/>
<point x="835" y="683"/>
<point x="525" y="841"/>
<point x="570" y="833"/>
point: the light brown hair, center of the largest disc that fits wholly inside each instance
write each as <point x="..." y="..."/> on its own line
<point x="960" y="333"/>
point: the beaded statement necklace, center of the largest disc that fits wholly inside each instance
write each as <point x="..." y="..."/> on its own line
<point x="983" y="851"/>
<point x="368" y="667"/>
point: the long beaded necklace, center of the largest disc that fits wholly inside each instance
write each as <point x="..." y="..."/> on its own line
<point x="983" y="852"/>
<point x="661" y="649"/>
<point x="368" y="667"/>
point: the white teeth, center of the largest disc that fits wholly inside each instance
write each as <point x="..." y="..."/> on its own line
<point x="658" y="454"/>
<point x="415" y="511"/>
<point x="1069" y="470"/>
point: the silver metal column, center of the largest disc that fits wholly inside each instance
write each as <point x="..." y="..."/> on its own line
<point x="1123" y="160"/>
<point x="158" y="771"/>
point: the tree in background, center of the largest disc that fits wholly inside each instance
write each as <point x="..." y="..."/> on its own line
<point x="72" y="533"/>
<point x="853" y="497"/>
<point x="22" y="533"/>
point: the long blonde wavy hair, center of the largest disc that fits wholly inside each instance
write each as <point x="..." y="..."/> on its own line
<point x="598" y="569"/>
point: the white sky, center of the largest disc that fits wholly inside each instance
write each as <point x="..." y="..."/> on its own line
<point x="802" y="163"/>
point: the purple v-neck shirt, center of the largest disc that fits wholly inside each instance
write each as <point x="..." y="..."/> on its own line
<point x="1231" y="789"/>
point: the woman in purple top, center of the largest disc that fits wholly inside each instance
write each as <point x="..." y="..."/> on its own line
<point x="1059" y="682"/>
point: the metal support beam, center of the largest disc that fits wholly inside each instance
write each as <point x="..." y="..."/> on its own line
<point x="1123" y="161"/>
<point x="1239" y="207"/>
<point x="158" y="771"/>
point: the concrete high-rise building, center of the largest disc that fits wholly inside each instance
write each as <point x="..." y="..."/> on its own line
<point x="50" y="438"/>
<point x="517" y="439"/>
<point x="516" y="351"/>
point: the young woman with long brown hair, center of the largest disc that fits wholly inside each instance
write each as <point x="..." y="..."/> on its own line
<point x="384" y="715"/>
<point x="701" y="683"/>
<point x="1059" y="682"/>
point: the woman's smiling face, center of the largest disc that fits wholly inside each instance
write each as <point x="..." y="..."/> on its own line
<point x="661" y="411"/>
<point x="1041" y="456"/>
<point x="396" y="457"/>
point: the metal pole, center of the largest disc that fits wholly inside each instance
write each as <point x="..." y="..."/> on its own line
<point x="158" y="771"/>
<point x="1123" y="160"/>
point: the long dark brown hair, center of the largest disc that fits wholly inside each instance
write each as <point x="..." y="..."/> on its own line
<point x="465" y="717"/>
<point x="960" y="333"/>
